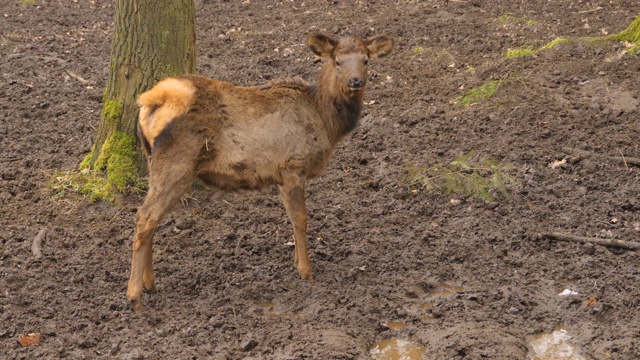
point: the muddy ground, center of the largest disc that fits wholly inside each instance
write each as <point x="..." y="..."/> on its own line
<point x="462" y="278"/>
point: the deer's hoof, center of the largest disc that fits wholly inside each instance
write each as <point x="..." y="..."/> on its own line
<point x="137" y="306"/>
<point x="151" y="289"/>
<point x="305" y="273"/>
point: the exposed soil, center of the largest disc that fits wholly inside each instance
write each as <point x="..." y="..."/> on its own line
<point x="381" y="251"/>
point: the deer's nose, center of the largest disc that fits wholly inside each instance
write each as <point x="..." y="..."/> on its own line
<point x="355" y="82"/>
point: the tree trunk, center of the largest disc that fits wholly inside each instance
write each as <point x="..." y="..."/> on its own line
<point x="152" y="39"/>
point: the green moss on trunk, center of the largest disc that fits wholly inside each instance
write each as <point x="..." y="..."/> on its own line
<point x="118" y="158"/>
<point x="117" y="161"/>
<point x="111" y="112"/>
<point x="86" y="162"/>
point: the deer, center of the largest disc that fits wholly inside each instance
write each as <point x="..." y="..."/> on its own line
<point x="279" y="134"/>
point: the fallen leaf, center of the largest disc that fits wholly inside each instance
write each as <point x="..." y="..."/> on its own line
<point x="590" y="301"/>
<point x="455" y="201"/>
<point x="376" y="230"/>
<point x="29" y="340"/>
<point x="557" y="163"/>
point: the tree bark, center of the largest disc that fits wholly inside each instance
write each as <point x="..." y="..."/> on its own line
<point x="152" y="39"/>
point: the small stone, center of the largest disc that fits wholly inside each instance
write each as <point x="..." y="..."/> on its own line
<point x="249" y="345"/>
<point x="115" y="348"/>
<point x="185" y="225"/>
<point x="401" y="313"/>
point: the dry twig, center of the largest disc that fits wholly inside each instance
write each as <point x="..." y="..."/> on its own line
<point x="36" y="245"/>
<point x="629" y="245"/>
<point x="585" y="154"/>
<point x="77" y="77"/>
<point x="590" y="10"/>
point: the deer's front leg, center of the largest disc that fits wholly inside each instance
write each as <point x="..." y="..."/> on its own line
<point x="292" y="191"/>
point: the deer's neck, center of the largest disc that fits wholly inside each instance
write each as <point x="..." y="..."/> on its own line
<point x="337" y="104"/>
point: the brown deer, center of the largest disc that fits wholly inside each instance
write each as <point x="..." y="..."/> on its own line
<point x="282" y="133"/>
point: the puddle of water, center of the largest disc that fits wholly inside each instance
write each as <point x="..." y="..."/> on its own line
<point x="290" y="315"/>
<point x="397" y="349"/>
<point x="396" y="325"/>
<point x="453" y="288"/>
<point x="428" y="318"/>
<point x="446" y="290"/>
<point x="271" y="310"/>
<point x="443" y="293"/>
<point x="553" y="346"/>
<point x="427" y="305"/>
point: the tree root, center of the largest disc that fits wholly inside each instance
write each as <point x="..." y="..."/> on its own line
<point x="629" y="245"/>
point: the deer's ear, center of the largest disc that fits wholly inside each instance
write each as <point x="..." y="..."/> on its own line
<point x="321" y="45"/>
<point x="379" y="46"/>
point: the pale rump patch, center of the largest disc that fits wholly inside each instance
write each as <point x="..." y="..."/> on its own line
<point x="167" y="100"/>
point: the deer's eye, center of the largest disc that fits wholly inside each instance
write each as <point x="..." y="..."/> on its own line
<point x="338" y="63"/>
<point x="366" y="61"/>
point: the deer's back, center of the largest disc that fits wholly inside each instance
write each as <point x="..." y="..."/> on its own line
<point x="248" y="134"/>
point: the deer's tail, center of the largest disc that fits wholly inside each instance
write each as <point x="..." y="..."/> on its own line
<point x="169" y="99"/>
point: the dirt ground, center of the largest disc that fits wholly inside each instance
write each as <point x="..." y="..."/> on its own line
<point x="452" y="276"/>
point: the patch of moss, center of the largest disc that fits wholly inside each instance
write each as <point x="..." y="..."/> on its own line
<point x="523" y="51"/>
<point x="508" y="18"/>
<point x="630" y="34"/>
<point x="480" y="93"/>
<point x="83" y="182"/>
<point x="530" y="50"/>
<point x="467" y="175"/>
<point x="504" y="18"/>
<point x="418" y="50"/>
<point x="553" y="43"/>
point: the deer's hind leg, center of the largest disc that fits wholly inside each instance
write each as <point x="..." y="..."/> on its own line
<point x="168" y="181"/>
